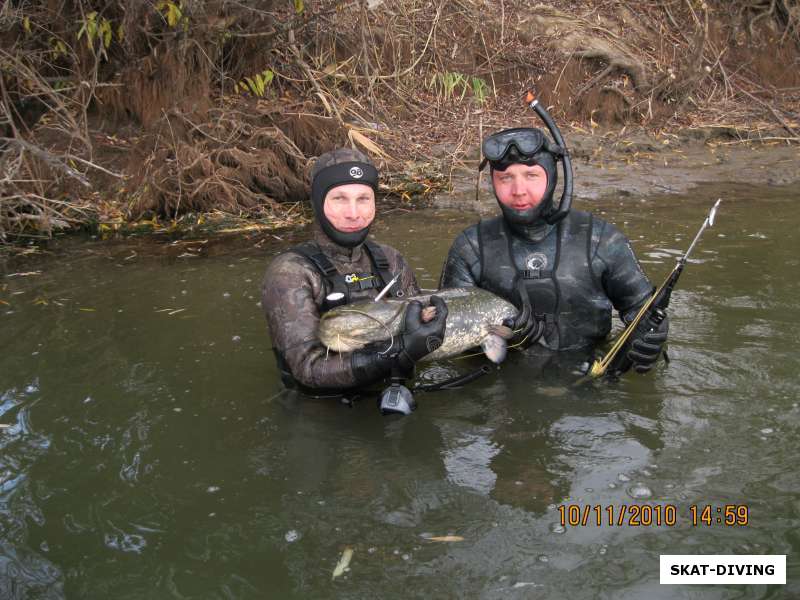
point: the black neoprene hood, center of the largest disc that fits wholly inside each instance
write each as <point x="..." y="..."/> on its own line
<point x="342" y="166"/>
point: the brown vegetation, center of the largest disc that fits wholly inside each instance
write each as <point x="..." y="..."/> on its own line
<point x="122" y="111"/>
<point x="236" y="162"/>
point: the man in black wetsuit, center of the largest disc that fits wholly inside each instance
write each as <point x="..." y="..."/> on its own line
<point x="340" y="265"/>
<point x="564" y="269"/>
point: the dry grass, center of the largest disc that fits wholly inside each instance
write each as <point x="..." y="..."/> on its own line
<point x="413" y="83"/>
<point x="237" y="162"/>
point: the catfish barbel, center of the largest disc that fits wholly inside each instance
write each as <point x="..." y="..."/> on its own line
<point x="474" y="318"/>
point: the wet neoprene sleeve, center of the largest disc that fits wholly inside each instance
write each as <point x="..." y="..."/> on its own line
<point x="462" y="266"/>
<point x="369" y="367"/>
<point x="288" y="298"/>
<point x="622" y="277"/>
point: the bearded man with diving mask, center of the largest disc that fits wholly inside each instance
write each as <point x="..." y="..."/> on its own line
<point x="564" y="269"/>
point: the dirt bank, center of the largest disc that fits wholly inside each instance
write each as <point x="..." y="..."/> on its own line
<point x="640" y="165"/>
<point x="173" y="115"/>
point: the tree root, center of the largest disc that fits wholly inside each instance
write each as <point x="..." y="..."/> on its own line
<point x="234" y="162"/>
<point x="584" y="39"/>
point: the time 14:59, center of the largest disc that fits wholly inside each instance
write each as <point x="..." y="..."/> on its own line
<point x="728" y="514"/>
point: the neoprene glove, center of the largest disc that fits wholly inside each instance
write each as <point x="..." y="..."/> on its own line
<point x="525" y="325"/>
<point x="418" y="339"/>
<point x="646" y="346"/>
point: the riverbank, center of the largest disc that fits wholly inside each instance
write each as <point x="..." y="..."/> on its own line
<point x="636" y="166"/>
<point x="190" y="120"/>
<point x="606" y="168"/>
<point x="423" y="164"/>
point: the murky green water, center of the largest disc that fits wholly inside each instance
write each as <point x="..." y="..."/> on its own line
<point x="149" y="453"/>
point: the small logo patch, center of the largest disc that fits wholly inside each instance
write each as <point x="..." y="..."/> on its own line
<point x="356" y="172"/>
<point x="433" y="342"/>
<point x="355" y="278"/>
<point x="536" y="261"/>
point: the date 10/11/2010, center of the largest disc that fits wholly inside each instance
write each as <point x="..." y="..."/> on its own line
<point x="652" y="515"/>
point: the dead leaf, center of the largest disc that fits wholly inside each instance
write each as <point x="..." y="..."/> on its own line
<point x="343" y="563"/>
<point x="359" y="138"/>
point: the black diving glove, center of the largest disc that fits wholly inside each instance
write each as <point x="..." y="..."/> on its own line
<point x="647" y="343"/>
<point x="526" y="327"/>
<point x="416" y="340"/>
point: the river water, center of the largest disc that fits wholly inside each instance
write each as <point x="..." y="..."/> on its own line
<point x="148" y="451"/>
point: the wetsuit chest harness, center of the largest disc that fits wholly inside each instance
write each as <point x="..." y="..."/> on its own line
<point x="552" y="289"/>
<point x="336" y="283"/>
<point x="344" y="284"/>
<point x="494" y="240"/>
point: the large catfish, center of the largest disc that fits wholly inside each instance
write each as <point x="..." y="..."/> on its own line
<point x="474" y="318"/>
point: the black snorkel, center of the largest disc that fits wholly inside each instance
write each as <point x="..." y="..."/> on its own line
<point x="566" y="196"/>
